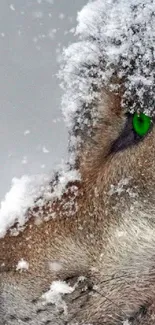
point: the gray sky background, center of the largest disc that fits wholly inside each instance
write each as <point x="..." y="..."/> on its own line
<point x="33" y="137"/>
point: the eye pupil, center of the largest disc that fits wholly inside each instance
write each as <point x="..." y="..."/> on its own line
<point x="141" y="123"/>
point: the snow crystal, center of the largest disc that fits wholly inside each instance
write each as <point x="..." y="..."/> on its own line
<point x="22" y="265"/>
<point x="26" y="132"/>
<point x="116" y="41"/>
<point x="57" y="290"/>
<point x="45" y="150"/>
<point x="12" y="7"/>
<point x="54" y="295"/>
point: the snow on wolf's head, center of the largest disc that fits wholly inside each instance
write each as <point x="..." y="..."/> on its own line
<point x="108" y="75"/>
<point x="115" y="50"/>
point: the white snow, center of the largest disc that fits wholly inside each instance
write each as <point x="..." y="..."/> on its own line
<point x="54" y="295"/>
<point x="24" y="194"/>
<point x="22" y="265"/>
<point x="12" y="7"/>
<point x="45" y="150"/>
<point x="57" y="290"/>
<point x="26" y="132"/>
<point x="65" y="177"/>
<point x="112" y="34"/>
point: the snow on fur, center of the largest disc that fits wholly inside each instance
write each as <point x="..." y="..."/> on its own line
<point x="29" y="191"/>
<point x="116" y="40"/>
<point x="56" y="292"/>
<point x="22" y="265"/>
<point x="23" y="193"/>
<point x="54" y="295"/>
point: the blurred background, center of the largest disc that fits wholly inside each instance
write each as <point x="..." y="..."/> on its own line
<point x="33" y="137"/>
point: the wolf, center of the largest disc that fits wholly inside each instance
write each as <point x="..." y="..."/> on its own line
<point x="95" y="243"/>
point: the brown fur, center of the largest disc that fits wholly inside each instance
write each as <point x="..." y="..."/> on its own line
<point x="104" y="235"/>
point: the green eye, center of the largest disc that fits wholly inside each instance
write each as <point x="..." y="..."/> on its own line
<point x="141" y="123"/>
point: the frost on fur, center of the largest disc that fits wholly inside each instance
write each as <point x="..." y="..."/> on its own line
<point x="22" y="265"/>
<point x="54" y="295"/>
<point x="115" y="43"/>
